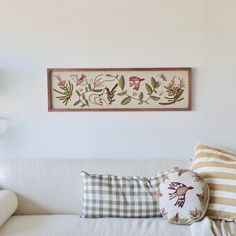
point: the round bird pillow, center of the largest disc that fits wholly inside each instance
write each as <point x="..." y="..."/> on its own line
<point x="183" y="196"/>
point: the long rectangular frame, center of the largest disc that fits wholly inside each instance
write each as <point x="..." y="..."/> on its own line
<point x="51" y="109"/>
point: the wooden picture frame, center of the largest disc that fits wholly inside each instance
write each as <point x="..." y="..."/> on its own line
<point x="119" y="89"/>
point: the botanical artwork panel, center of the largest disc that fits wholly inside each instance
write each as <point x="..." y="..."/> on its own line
<point x="139" y="89"/>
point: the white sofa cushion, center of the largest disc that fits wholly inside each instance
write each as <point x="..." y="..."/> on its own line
<point x="55" y="186"/>
<point x="58" y="225"/>
<point x="8" y="205"/>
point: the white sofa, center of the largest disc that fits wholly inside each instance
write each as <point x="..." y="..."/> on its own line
<point x="50" y="197"/>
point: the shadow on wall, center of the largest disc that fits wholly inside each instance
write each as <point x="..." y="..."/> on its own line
<point x="194" y="72"/>
<point x="2" y="83"/>
<point x="3" y="126"/>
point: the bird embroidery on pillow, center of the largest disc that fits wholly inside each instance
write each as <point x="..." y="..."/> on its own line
<point x="179" y="192"/>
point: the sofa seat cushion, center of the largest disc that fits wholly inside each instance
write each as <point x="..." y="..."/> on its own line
<point x="72" y="225"/>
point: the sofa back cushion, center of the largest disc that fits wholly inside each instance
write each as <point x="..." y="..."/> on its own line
<point x="55" y="186"/>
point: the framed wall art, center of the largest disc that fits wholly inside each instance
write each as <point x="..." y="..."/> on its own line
<point x="119" y="89"/>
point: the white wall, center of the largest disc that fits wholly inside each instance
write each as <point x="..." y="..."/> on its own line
<point x="36" y="34"/>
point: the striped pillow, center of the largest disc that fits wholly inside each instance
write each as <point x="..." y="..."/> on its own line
<point x="218" y="167"/>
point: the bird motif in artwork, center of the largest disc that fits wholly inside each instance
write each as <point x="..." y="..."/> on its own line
<point x="180" y="191"/>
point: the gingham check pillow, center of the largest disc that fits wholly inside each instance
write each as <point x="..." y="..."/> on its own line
<point x="114" y="196"/>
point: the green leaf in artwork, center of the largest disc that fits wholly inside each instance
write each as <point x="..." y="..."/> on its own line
<point x="154" y="98"/>
<point x="126" y="100"/>
<point x="76" y="103"/>
<point x="83" y="105"/>
<point x="97" y="90"/>
<point x="86" y="89"/>
<point x="121" y="94"/>
<point x="140" y="96"/>
<point x="83" y="96"/>
<point x="122" y="82"/>
<point x="89" y="87"/>
<point x="78" y="93"/>
<point x="87" y="103"/>
<point x="153" y="82"/>
<point x="148" y="88"/>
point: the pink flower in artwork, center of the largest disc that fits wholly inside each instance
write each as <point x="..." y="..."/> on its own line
<point x="134" y="82"/>
<point x="79" y="80"/>
<point x="60" y="81"/>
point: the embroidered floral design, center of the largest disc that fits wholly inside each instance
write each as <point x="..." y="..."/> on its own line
<point x="202" y="197"/>
<point x="165" y="178"/>
<point x="66" y="90"/>
<point x="135" y="81"/>
<point x="111" y="94"/>
<point x="79" y="79"/>
<point x="107" y="89"/>
<point x="198" y="178"/>
<point x="181" y="171"/>
<point x="195" y="214"/>
<point x="101" y="79"/>
<point x="161" y="79"/>
<point x="159" y="194"/>
<point x="180" y="221"/>
<point x="96" y="99"/>
<point x="180" y="212"/>
<point x="60" y="81"/>
<point x="179" y="192"/>
<point x="174" y="91"/>
<point x="175" y="219"/>
<point x="164" y="213"/>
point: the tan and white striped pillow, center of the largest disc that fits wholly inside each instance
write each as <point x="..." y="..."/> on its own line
<point x="218" y="167"/>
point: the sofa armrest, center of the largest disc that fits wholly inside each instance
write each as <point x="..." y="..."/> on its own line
<point x="8" y="205"/>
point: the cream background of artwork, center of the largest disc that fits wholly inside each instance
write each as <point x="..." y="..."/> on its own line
<point x="130" y="91"/>
<point x="35" y="35"/>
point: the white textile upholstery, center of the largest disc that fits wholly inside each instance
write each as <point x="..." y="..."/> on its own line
<point x="58" y="225"/>
<point x="209" y="227"/>
<point x="55" y="186"/>
<point x="8" y="205"/>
